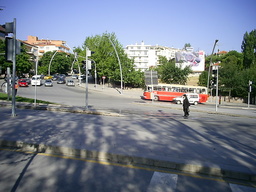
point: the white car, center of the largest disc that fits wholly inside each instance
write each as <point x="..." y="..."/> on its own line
<point x="193" y="98"/>
<point x="48" y="83"/>
<point x="70" y="83"/>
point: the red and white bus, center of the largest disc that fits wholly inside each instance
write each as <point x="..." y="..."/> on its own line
<point x="167" y="92"/>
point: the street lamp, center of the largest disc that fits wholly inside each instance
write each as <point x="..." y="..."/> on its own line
<point x="121" y="74"/>
<point x="211" y="63"/>
<point x="51" y="62"/>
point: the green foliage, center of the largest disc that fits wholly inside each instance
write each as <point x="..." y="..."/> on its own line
<point x="3" y="63"/>
<point x="23" y="63"/>
<point x="249" y="49"/>
<point x="203" y="79"/>
<point x="187" y="45"/>
<point x="234" y="74"/>
<point x="170" y="73"/>
<point x="61" y="63"/>
<point x="4" y="96"/>
<point x="106" y="61"/>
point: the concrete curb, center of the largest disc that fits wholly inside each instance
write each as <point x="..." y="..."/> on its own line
<point x="58" y="108"/>
<point x="126" y="159"/>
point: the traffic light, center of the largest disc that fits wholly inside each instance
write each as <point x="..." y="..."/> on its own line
<point x="9" y="48"/>
<point x="89" y="65"/>
<point x="213" y="81"/>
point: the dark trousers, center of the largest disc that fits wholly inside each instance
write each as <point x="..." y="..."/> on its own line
<point x="186" y="111"/>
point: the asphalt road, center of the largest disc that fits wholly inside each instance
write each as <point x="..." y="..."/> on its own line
<point x="27" y="172"/>
<point x="75" y="96"/>
<point x="191" y="139"/>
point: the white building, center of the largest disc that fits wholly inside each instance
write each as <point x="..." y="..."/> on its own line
<point x="146" y="56"/>
<point x="45" y="45"/>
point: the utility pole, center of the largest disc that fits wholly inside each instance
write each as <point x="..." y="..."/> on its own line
<point x="249" y="93"/>
<point x="11" y="51"/>
<point x="217" y="88"/>
<point x="88" y="53"/>
<point x="209" y="70"/>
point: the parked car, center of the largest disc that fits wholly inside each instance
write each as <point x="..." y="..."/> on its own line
<point x="55" y="77"/>
<point x="48" y="83"/>
<point x="62" y="75"/>
<point x="22" y="83"/>
<point x="48" y="77"/>
<point x="193" y="98"/>
<point x="70" y="83"/>
<point x="74" y="76"/>
<point x="61" y="81"/>
<point x="28" y="80"/>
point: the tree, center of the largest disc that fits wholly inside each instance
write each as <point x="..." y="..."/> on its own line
<point x="170" y="73"/>
<point x="23" y="62"/>
<point x="61" y="63"/>
<point x="3" y="63"/>
<point x="186" y="45"/>
<point x="249" y="49"/>
<point x="203" y="78"/>
<point x="107" y="62"/>
<point x="230" y="69"/>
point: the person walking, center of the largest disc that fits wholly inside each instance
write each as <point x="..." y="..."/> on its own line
<point x="186" y="105"/>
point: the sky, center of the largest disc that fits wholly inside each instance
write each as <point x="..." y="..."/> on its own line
<point x="171" y="23"/>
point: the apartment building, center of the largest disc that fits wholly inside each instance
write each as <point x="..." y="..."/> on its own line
<point x="45" y="45"/>
<point x="146" y="56"/>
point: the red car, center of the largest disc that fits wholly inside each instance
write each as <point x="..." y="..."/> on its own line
<point x="22" y="83"/>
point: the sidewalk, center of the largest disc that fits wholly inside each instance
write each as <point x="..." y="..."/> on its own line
<point x="139" y="141"/>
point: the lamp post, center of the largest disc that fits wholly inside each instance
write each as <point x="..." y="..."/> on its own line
<point x="211" y="63"/>
<point x="49" y="68"/>
<point x="121" y="73"/>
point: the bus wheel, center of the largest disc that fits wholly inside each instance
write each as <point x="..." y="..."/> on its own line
<point x="195" y="103"/>
<point x="178" y="102"/>
<point x="156" y="98"/>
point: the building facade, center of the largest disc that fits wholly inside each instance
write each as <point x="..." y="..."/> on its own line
<point x="45" y="45"/>
<point x="146" y="56"/>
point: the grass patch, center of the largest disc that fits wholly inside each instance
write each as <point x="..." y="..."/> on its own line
<point x="4" y="96"/>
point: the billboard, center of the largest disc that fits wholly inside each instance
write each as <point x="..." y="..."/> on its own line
<point x="196" y="60"/>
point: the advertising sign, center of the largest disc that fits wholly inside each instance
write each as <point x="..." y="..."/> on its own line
<point x="196" y="60"/>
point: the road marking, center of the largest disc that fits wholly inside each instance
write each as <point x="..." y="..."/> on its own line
<point x="241" y="188"/>
<point x="163" y="182"/>
<point x="166" y="174"/>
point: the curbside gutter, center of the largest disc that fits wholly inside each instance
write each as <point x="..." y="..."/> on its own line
<point x="57" y="108"/>
<point x="126" y="159"/>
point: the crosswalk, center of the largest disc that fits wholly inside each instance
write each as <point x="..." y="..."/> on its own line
<point x="166" y="182"/>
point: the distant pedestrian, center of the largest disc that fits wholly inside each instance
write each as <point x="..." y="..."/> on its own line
<point x="16" y="86"/>
<point x="186" y="105"/>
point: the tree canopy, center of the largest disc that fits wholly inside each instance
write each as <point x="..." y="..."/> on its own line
<point x="61" y="63"/>
<point x="106" y="61"/>
<point x="170" y="73"/>
<point x="249" y="49"/>
<point x="236" y="69"/>
<point x="23" y="61"/>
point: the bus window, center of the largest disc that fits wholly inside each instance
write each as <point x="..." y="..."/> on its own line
<point x="203" y="91"/>
<point x="192" y="90"/>
<point x="184" y="90"/>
